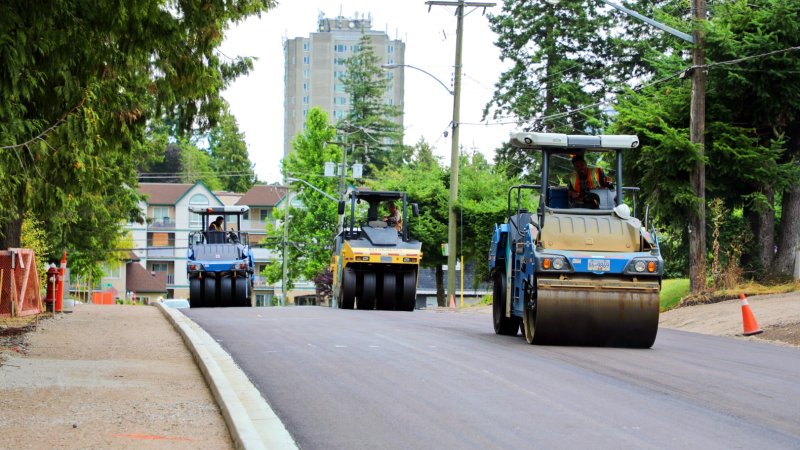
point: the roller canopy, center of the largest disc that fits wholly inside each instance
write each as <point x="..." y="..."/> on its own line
<point x="570" y="142"/>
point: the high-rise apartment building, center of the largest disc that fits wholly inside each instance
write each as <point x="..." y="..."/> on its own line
<point x="313" y="66"/>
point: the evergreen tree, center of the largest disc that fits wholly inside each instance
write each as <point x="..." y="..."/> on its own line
<point x="229" y="155"/>
<point x="370" y="128"/>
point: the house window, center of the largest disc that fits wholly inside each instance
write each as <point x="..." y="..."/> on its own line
<point x="266" y="214"/>
<point x="160" y="239"/>
<point x="197" y="200"/>
<point x="159" y="267"/>
<point x="112" y="271"/>
<point x="161" y="214"/>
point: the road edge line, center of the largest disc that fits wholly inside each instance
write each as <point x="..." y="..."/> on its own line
<point x="251" y="421"/>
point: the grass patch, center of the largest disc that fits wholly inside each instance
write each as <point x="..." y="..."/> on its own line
<point x="672" y="291"/>
<point x="753" y="288"/>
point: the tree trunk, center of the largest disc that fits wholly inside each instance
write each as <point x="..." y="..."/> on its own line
<point x="789" y="241"/>
<point x="763" y="226"/>
<point x="440" y="296"/>
<point x="12" y="229"/>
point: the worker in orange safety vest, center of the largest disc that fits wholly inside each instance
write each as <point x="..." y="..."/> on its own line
<point x="583" y="181"/>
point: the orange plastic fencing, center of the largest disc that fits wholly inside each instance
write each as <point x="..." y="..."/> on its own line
<point x="103" y="298"/>
<point x="19" y="283"/>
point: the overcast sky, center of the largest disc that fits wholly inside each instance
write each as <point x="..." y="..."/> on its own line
<point x="257" y="100"/>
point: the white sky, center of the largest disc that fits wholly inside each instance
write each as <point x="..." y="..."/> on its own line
<point x="257" y="100"/>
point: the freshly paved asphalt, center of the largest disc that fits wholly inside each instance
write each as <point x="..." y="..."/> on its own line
<point x="375" y="379"/>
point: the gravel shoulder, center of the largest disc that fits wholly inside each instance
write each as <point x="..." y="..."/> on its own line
<point x="104" y="376"/>
<point x="778" y="315"/>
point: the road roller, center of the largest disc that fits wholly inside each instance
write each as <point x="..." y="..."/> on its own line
<point x="220" y="265"/>
<point x="585" y="274"/>
<point x="375" y="263"/>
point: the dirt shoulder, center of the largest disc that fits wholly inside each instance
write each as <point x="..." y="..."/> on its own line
<point x="104" y="376"/>
<point x="778" y="315"/>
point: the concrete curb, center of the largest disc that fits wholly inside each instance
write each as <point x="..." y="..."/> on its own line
<point x="251" y="421"/>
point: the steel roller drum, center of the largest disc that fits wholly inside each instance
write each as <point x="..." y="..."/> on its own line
<point x="596" y="312"/>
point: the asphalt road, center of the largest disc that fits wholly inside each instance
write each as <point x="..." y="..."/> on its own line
<point x="395" y="380"/>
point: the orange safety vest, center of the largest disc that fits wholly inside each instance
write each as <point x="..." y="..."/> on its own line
<point x="594" y="180"/>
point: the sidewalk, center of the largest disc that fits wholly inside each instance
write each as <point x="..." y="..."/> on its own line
<point x="114" y="376"/>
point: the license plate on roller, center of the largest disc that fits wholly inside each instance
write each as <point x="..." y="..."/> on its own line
<point x="599" y="265"/>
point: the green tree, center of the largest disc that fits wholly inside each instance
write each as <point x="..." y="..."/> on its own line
<point x="425" y="182"/>
<point x="751" y="152"/>
<point x="313" y="222"/>
<point x="75" y="98"/>
<point x="370" y="123"/>
<point x="229" y="155"/>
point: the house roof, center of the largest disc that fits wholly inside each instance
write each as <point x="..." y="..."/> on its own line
<point x="263" y="195"/>
<point x="164" y="193"/>
<point x="169" y="193"/>
<point x="140" y="280"/>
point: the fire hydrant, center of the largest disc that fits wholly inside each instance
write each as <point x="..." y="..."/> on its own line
<point x="50" y="297"/>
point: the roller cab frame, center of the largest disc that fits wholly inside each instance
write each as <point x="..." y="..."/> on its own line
<point x="575" y="276"/>
<point x="220" y="266"/>
<point x="374" y="265"/>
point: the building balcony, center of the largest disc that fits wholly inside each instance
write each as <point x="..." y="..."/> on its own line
<point x="168" y="252"/>
<point x="162" y="224"/>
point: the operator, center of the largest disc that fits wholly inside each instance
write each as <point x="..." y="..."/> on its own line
<point x="583" y="181"/>
<point x="394" y="219"/>
<point x="216" y="225"/>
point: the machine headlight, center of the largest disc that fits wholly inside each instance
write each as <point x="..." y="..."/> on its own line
<point x="554" y="263"/>
<point x="195" y="266"/>
<point x="642" y="266"/>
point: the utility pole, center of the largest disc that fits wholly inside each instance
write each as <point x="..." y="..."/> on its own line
<point x="284" y="282"/>
<point x="452" y="232"/>
<point x="697" y="215"/>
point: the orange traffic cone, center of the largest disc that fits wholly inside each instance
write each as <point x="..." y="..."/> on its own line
<point x="749" y="320"/>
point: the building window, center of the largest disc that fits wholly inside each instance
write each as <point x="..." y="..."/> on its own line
<point x="112" y="271"/>
<point x="305" y="100"/>
<point x="161" y="215"/>
<point x="354" y="48"/>
<point x="306" y="73"/>
<point x="390" y="61"/>
<point x="339" y="48"/>
<point x="305" y="86"/>
<point x="305" y="112"/>
<point x="305" y="46"/>
<point x="390" y="49"/>
<point x="338" y="74"/>
<point x="338" y="87"/>
<point x="340" y="61"/>
<point x="266" y="214"/>
<point x="338" y="114"/>
<point x="340" y="100"/>
<point x="389" y="101"/>
<point x="159" y="267"/>
<point x="306" y="59"/>
<point x="197" y="200"/>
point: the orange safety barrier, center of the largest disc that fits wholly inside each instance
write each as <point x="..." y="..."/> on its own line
<point x="19" y="283"/>
<point x="103" y="298"/>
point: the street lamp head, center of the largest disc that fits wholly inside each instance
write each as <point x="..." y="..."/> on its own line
<point x="389" y="66"/>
